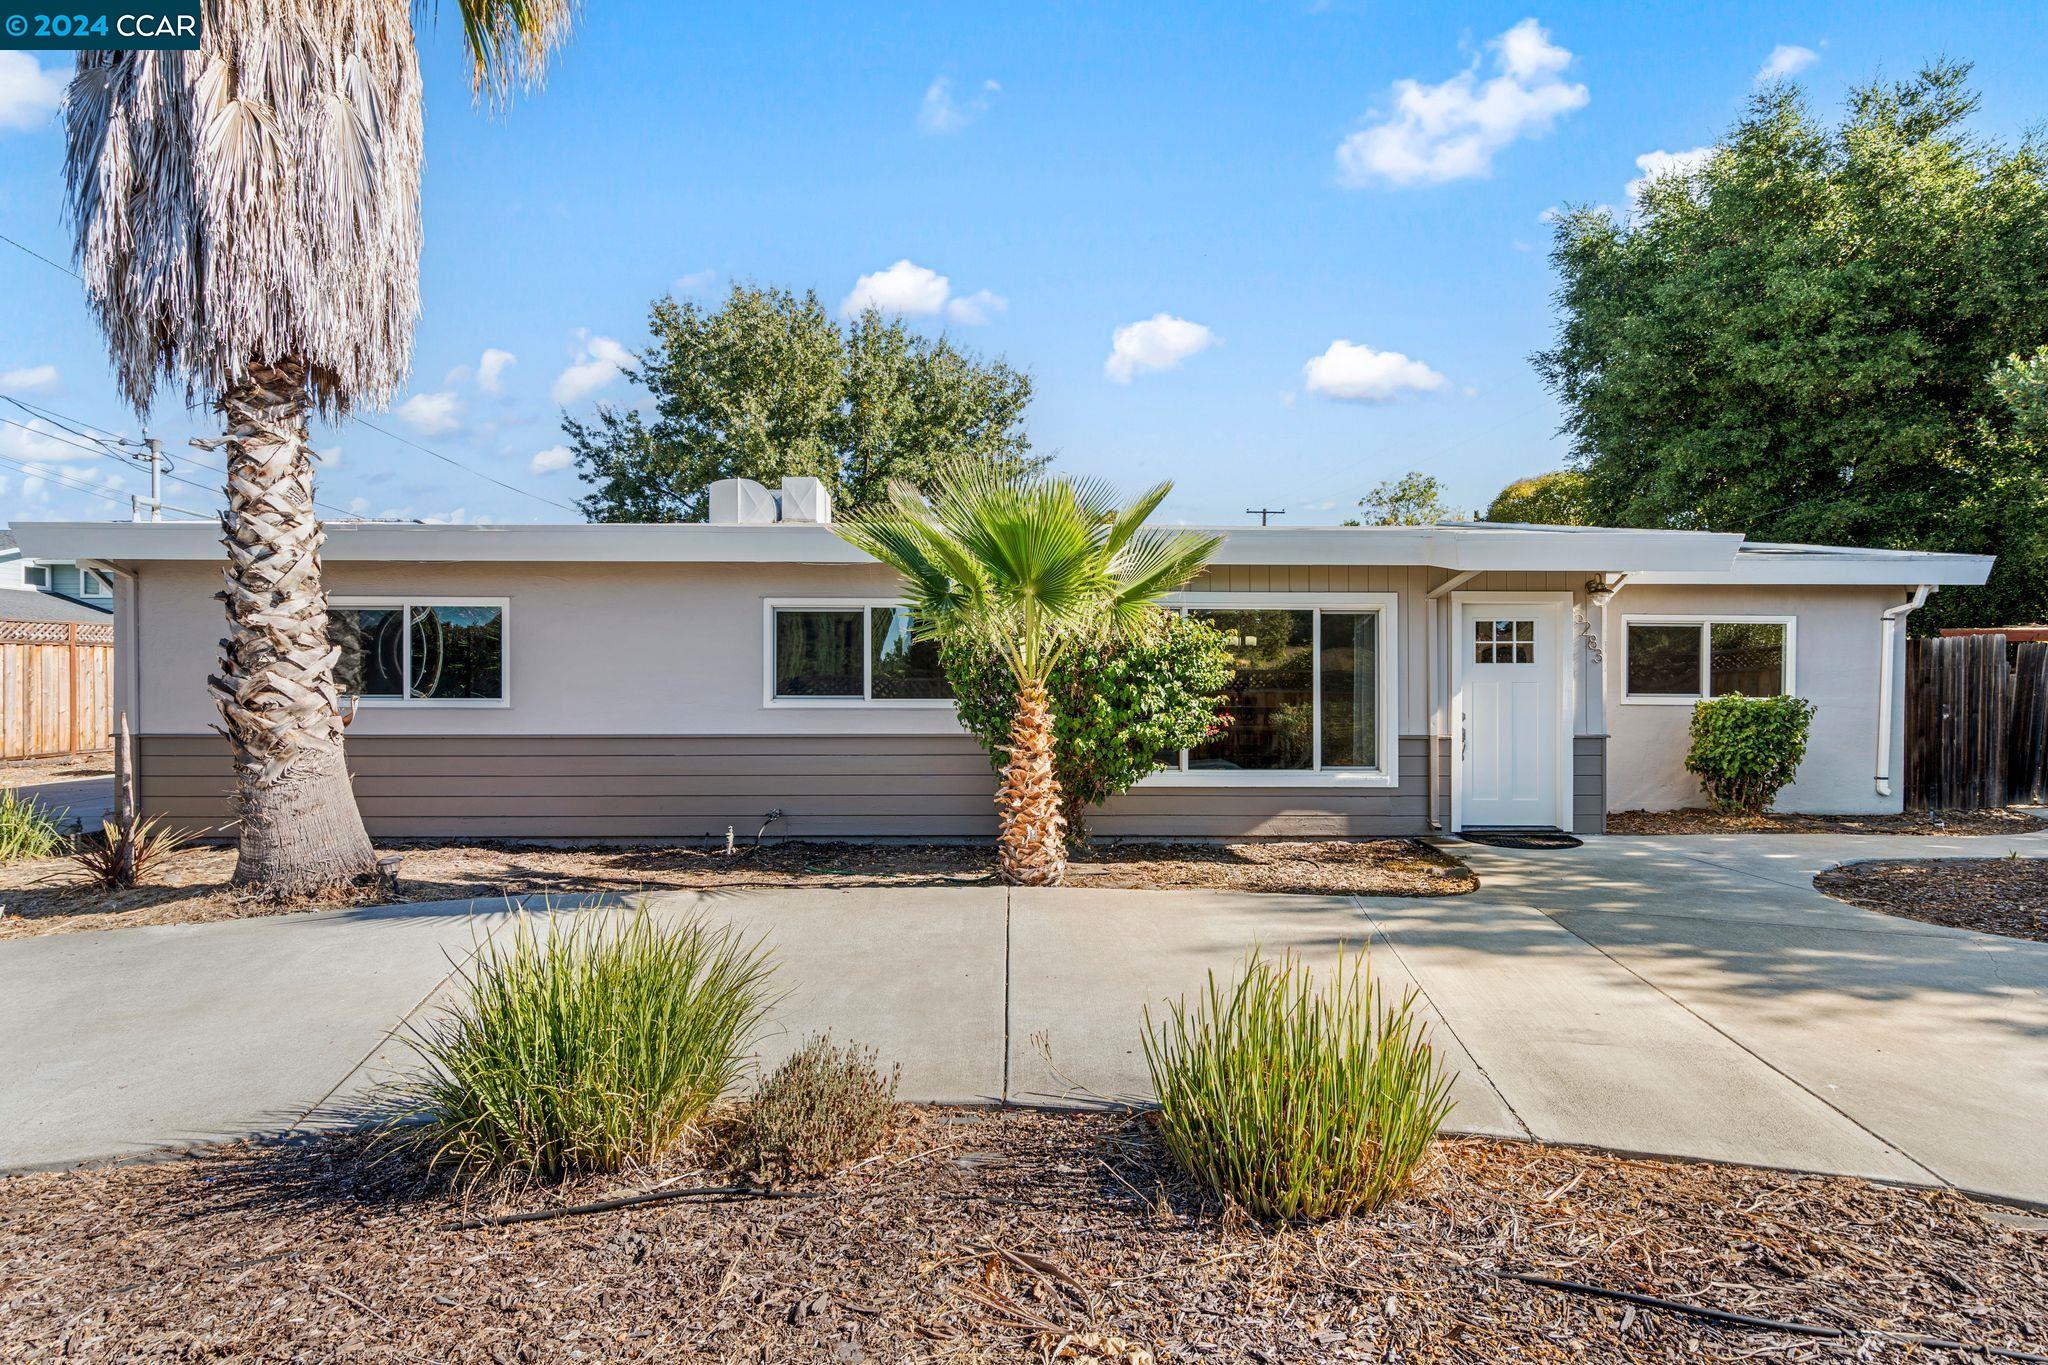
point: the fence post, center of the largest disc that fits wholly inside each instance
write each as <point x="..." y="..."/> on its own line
<point x="75" y="728"/>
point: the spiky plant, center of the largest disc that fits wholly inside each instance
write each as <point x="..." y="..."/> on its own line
<point x="247" y="222"/>
<point x="1028" y="567"/>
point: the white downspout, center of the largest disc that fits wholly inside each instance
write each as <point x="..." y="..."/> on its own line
<point x="1429" y="655"/>
<point x="1885" y="668"/>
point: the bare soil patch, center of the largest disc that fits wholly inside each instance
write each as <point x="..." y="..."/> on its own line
<point x="51" y="895"/>
<point x="994" y="1236"/>
<point x="24" y="772"/>
<point x="2006" y="896"/>
<point x="1701" y="821"/>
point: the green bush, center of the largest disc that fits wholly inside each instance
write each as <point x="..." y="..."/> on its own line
<point x="819" y="1110"/>
<point x="1745" y="749"/>
<point x="26" y="829"/>
<point x="1118" y="706"/>
<point x="592" y="1047"/>
<point x="1297" y="1100"/>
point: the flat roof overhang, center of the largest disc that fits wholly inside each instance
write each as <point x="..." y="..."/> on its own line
<point x="1458" y="548"/>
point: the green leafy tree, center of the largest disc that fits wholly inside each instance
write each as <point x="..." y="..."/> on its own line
<point x="1414" y="499"/>
<point x="1554" y="499"/>
<point x="768" y="385"/>
<point x="1799" y="340"/>
<point x="1028" y="568"/>
<point x="1118" y="706"/>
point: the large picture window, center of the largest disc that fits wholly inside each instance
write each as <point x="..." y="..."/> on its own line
<point x="1312" y="696"/>
<point x="419" y="651"/>
<point x="850" y="653"/>
<point x="1682" y="659"/>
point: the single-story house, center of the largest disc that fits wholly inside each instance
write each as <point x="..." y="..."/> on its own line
<point x="671" y="681"/>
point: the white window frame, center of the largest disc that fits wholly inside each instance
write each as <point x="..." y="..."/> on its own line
<point x="1387" y="606"/>
<point x="866" y="607"/>
<point x="1705" y="621"/>
<point x="405" y="604"/>
<point x="92" y="587"/>
<point x="42" y="584"/>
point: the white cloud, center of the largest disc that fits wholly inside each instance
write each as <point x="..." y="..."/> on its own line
<point x="359" y="506"/>
<point x="598" y="363"/>
<point x="29" y="378"/>
<point x="1654" y="164"/>
<point x="1786" y="59"/>
<point x="432" y="414"/>
<point x="1160" y="342"/>
<point x="329" y="458"/>
<point x="29" y="94"/>
<point x="34" y="440"/>
<point x="1359" y="374"/>
<point x="1451" y="130"/>
<point x="942" y="112"/>
<point x="490" y="369"/>
<point x="977" y="309"/>
<point x="695" y="280"/>
<point x="552" y="459"/>
<point x="903" y="288"/>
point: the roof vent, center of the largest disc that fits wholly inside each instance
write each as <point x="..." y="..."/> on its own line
<point x="742" y="502"/>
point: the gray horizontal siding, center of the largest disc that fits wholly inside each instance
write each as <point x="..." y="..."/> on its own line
<point x="1589" y="784"/>
<point x="691" y="787"/>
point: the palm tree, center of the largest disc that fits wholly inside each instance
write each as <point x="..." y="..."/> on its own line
<point x="1028" y="567"/>
<point x="247" y="222"/>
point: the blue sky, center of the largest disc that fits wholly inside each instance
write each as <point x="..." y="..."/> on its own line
<point x="1274" y="252"/>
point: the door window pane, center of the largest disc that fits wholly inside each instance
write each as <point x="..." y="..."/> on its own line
<point x="1746" y="657"/>
<point x="1503" y="642"/>
<point x="904" y="669"/>
<point x="818" y="654"/>
<point x="1664" y="661"/>
<point x="372" y="650"/>
<point x="458" y="652"/>
<point x="1271" y="699"/>
<point x="1349" y="664"/>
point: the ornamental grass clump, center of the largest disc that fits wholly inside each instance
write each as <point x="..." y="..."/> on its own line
<point x="594" y="1045"/>
<point x="1297" y="1099"/>
<point x="824" y="1107"/>
<point x="26" y="829"/>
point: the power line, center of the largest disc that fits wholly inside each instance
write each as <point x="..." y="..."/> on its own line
<point x="38" y="472"/>
<point x="1262" y="513"/>
<point x="448" y="460"/>
<point x="40" y="256"/>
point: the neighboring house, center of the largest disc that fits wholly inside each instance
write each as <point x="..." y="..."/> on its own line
<point x="59" y="578"/>
<point x="666" y="682"/>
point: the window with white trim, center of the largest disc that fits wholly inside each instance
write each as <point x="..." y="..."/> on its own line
<point x="1312" y="694"/>
<point x="851" y="653"/>
<point x="1685" y="658"/>
<point x="94" y="585"/>
<point x="419" y="651"/>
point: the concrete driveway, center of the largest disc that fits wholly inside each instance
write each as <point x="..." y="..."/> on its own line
<point x="1690" y="997"/>
<point x="86" y="800"/>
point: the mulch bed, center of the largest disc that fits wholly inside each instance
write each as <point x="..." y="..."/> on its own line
<point x="50" y="895"/>
<point x="2006" y="896"/>
<point x="1911" y="822"/>
<point x="985" y="1236"/>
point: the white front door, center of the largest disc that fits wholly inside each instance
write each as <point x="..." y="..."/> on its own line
<point x="1509" y="677"/>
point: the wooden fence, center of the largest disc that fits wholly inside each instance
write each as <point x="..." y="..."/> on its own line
<point x="56" y="687"/>
<point x="1976" y="723"/>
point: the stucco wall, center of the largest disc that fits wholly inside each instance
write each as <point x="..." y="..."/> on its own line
<point x="1836" y="666"/>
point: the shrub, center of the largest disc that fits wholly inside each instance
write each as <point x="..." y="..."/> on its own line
<point x="119" y="855"/>
<point x="1745" y="749"/>
<point x="1297" y="1100"/>
<point x="592" y="1047"/>
<point x="1118" y="706"/>
<point x="26" y="829"/>
<point x="820" y="1109"/>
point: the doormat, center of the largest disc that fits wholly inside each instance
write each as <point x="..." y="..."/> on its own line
<point x="1521" y="838"/>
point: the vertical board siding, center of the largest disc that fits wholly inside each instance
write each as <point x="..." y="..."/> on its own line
<point x="56" y="688"/>
<point x="1976" y="723"/>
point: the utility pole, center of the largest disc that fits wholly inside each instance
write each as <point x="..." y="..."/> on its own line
<point x="156" y="477"/>
<point x="1264" y="512"/>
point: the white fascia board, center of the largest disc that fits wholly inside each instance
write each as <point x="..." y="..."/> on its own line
<point x="1895" y="568"/>
<point x="1457" y="548"/>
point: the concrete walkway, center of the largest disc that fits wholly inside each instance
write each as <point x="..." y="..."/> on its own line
<point x="88" y="801"/>
<point x="1690" y="997"/>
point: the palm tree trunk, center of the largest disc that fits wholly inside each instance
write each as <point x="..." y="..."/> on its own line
<point x="300" y="830"/>
<point x="1033" y="849"/>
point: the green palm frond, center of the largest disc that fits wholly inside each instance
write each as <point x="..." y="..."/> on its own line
<point x="510" y="41"/>
<point x="1027" y="565"/>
